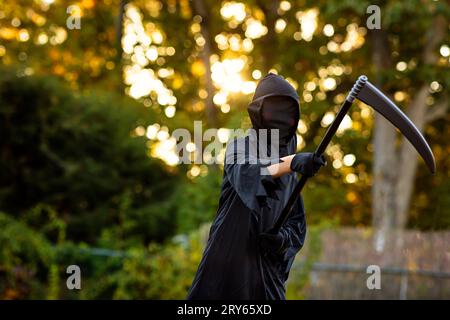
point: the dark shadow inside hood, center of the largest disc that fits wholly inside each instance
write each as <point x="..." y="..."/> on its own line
<point x="273" y="85"/>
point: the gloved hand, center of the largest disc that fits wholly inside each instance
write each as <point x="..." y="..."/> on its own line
<point x="307" y="163"/>
<point x="272" y="243"/>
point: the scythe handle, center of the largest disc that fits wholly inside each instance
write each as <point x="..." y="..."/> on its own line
<point x="319" y="151"/>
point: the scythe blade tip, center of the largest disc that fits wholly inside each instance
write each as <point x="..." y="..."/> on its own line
<point x="372" y="96"/>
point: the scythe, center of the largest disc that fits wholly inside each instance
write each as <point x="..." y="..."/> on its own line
<point x="366" y="92"/>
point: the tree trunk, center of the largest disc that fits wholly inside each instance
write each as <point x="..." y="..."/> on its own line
<point x="200" y="8"/>
<point x="385" y="154"/>
<point x="421" y="115"/>
<point x="395" y="165"/>
<point x="270" y="39"/>
<point x="118" y="45"/>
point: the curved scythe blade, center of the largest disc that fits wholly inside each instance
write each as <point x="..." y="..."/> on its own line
<point x="373" y="97"/>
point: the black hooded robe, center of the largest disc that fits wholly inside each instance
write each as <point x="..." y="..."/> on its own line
<point x="233" y="265"/>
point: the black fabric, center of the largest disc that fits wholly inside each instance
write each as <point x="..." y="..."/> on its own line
<point x="281" y="113"/>
<point x="275" y="105"/>
<point x="234" y="265"/>
<point x="272" y="242"/>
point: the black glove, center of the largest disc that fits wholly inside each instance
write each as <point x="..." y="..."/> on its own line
<point x="273" y="242"/>
<point x="307" y="163"/>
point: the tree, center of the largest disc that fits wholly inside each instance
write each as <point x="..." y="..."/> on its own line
<point x="82" y="157"/>
<point x="395" y="164"/>
<point x="201" y="60"/>
<point x="323" y="45"/>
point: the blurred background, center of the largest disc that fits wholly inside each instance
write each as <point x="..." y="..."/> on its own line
<point x="91" y="92"/>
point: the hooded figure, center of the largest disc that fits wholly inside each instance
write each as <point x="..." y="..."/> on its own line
<point x="243" y="259"/>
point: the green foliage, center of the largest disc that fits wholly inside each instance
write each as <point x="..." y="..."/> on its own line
<point x="79" y="156"/>
<point x="159" y="272"/>
<point x="25" y="255"/>
<point x="300" y="276"/>
<point x="196" y="201"/>
<point x="432" y="215"/>
<point x="30" y="267"/>
<point x="74" y="170"/>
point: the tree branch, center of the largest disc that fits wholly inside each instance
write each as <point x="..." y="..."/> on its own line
<point x="434" y="36"/>
<point x="437" y="111"/>
<point x="269" y="8"/>
<point x="200" y="8"/>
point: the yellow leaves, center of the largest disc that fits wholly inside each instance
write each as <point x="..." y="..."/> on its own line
<point x="54" y="54"/>
<point x="351" y="178"/>
<point x="399" y="96"/>
<point x="352" y="197"/>
<point x="88" y="4"/>
<point x="59" y="35"/>
<point x="37" y="19"/>
<point x="255" y="29"/>
<point x="41" y="39"/>
<point x="95" y="63"/>
<point x="153" y="7"/>
<point x="195" y="27"/>
<point x="7" y="33"/>
<point x="235" y="11"/>
<point x="198" y="106"/>
<point x="202" y="93"/>
<point x="23" y="35"/>
<point x="198" y="68"/>
<point x="308" y="23"/>
<point x="357" y="126"/>
<point x="177" y="82"/>
<point x="185" y="9"/>
<point x="11" y="294"/>
<point x="157" y="36"/>
<point x="58" y="70"/>
<point x="258" y="14"/>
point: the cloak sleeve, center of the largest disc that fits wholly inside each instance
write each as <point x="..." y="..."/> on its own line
<point x="249" y="176"/>
<point x="294" y="232"/>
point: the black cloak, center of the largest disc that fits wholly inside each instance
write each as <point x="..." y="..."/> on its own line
<point x="233" y="265"/>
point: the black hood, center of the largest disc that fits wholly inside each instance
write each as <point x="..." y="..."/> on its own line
<point x="275" y="105"/>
